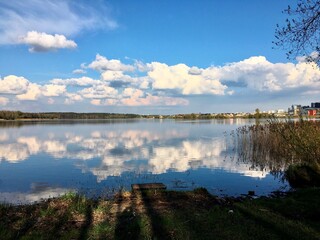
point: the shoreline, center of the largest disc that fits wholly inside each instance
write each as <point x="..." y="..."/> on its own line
<point x="166" y="214"/>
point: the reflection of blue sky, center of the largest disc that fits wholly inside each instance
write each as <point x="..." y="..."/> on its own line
<point x="110" y="150"/>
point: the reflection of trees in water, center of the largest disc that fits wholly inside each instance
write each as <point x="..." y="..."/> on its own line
<point x="11" y="124"/>
<point x="279" y="145"/>
<point x="26" y="122"/>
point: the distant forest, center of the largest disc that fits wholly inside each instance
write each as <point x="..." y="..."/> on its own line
<point x="14" y="115"/>
<point x="18" y="115"/>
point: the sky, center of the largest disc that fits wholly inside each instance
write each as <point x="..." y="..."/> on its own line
<point x="148" y="57"/>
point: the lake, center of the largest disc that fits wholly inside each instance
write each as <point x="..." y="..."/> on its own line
<point x="39" y="160"/>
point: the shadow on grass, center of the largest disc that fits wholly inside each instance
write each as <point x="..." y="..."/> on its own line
<point x="127" y="226"/>
<point x="278" y="225"/>
<point x="29" y="222"/>
<point x="88" y="221"/>
<point x="142" y="218"/>
<point x="156" y="221"/>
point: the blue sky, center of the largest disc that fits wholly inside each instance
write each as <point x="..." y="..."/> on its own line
<point x="148" y="57"/>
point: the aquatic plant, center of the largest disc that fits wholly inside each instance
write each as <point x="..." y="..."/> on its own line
<point x="278" y="144"/>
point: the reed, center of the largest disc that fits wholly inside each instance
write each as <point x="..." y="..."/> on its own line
<point x="279" y="144"/>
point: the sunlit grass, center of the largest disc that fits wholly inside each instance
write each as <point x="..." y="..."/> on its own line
<point x="166" y="215"/>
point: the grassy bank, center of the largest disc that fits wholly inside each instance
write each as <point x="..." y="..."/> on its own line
<point x="166" y="215"/>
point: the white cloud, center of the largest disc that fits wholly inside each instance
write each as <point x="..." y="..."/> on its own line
<point x="33" y="93"/>
<point x="136" y="99"/>
<point x="51" y="16"/>
<point x="141" y="66"/>
<point x="79" y="71"/>
<point x="150" y="100"/>
<point x="51" y="90"/>
<point x="178" y="77"/>
<point x="4" y="101"/>
<point x="195" y="71"/>
<point x="42" y="42"/>
<point x="102" y="64"/>
<point x="162" y="85"/>
<point x="115" y="75"/>
<point x="72" y="98"/>
<point x="131" y="92"/>
<point x="99" y="91"/>
<point x="255" y="73"/>
<point x="13" y="85"/>
<point x="83" y="81"/>
<point x="96" y="102"/>
<point x="259" y="74"/>
<point x="25" y="90"/>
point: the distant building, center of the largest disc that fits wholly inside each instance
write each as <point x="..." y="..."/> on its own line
<point x="312" y="111"/>
<point x="295" y="110"/>
<point x="315" y="105"/>
<point x="280" y="111"/>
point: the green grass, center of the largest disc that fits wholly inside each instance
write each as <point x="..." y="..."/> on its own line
<point x="166" y="215"/>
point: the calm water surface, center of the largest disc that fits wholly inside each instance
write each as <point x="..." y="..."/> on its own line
<point x="97" y="158"/>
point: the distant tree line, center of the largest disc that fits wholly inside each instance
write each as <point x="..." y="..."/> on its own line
<point x="14" y="115"/>
<point x="191" y="116"/>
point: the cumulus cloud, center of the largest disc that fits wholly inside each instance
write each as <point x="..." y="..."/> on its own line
<point x="137" y="100"/>
<point x="33" y="93"/>
<point x="99" y="91"/>
<point x="13" y="85"/>
<point x="131" y="92"/>
<point x="115" y="75"/>
<point x="164" y="85"/>
<point x="259" y="74"/>
<point x="102" y="64"/>
<point x="195" y="71"/>
<point x="42" y="42"/>
<point x="255" y="73"/>
<point x="150" y="100"/>
<point x="53" y="17"/>
<point x="72" y="98"/>
<point x="79" y="71"/>
<point x="96" y="102"/>
<point x="83" y="81"/>
<point x="178" y="77"/>
<point x="52" y="90"/>
<point x="26" y="90"/>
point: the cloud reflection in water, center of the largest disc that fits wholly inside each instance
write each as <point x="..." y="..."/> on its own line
<point x="127" y="150"/>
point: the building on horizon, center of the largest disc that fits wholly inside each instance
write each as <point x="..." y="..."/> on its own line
<point x="315" y="105"/>
<point x="312" y="111"/>
<point x="295" y="110"/>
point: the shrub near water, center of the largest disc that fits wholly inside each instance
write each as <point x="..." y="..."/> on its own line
<point x="291" y="147"/>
